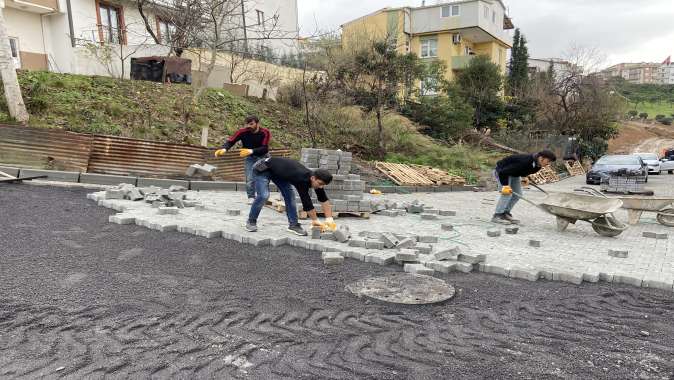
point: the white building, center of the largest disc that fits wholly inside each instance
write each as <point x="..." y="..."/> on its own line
<point x="561" y="67"/>
<point x="54" y="34"/>
<point x="667" y="72"/>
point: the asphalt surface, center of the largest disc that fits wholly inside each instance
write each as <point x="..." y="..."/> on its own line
<point x="81" y="298"/>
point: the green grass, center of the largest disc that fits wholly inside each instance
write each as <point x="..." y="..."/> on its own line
<point x="654" y="108"/>
<point x="152" y="111"/>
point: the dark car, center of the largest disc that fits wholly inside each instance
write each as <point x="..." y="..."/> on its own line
<point x="612" y="163"/>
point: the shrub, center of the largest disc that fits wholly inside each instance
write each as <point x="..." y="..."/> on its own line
<point x="659" y="117"/>
<point x="447" y="117"/>
<point x="643" y="115"/>
<point x="633" y="113"/>
<point x="667" y="121"/>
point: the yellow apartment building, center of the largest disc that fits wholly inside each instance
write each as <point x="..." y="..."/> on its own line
<point x="453" y="31"/>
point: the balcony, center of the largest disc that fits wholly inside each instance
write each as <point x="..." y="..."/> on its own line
<point x="34" y="6"/>
<point x="461" y="62"/>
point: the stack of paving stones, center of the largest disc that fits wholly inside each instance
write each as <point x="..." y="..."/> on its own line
<point x="346" y="190"/>
<point x="167" y="201"/>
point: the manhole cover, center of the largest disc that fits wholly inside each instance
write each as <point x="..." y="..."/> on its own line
<point x="412" y="289"/>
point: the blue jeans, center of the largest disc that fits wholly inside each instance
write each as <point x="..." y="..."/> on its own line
<point x="250" y="185"/>
<point x="507" y="202"/>
<point x="261" y="181"/>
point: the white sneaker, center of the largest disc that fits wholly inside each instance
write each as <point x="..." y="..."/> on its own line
<point x="251" y="200"/>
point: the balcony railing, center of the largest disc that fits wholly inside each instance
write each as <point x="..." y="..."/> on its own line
<point x="37" y="6"/>
<point x="461" y="62"/>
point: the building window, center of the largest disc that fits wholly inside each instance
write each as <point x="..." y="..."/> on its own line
<point x="110" y="27"/>
<point x="167" y="31"/>
<point x="493" y="17"/>
<point x="451" y="10"/>
<point x="14" y="48"/>
<point x="486" y="12"/>
<point x="260" y="17"/>
<point x="429" y="48"/>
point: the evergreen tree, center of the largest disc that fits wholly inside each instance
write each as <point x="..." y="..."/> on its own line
<point x="518" y="76"/>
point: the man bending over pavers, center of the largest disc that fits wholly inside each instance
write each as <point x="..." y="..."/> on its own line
<point x="286" y="174"/>
<point x="508" y="174"/>
<point x="255" y="142"/>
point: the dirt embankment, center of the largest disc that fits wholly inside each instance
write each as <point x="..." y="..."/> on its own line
<point x="639" y="137"/>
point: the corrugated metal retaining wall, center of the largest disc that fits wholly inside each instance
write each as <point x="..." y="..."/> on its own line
<point x="55" y="149"/>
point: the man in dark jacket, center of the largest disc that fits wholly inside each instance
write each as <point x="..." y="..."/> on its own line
<point x="255" y="142"/>
<point x="508" y="174"/>
<point x="286" y="174"/>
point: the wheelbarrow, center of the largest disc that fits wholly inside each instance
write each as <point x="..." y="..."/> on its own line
<point x="569" y="208"/>
<point x="635" y="206"/>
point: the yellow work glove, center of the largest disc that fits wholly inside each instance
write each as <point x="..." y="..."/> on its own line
<point x="245" y="152"/>
<point x="375" y="192"/>
<point x="330" y="224"/>
<point x="319" y="225"/>
<point x="507" y="190"/>
<point x="220" y="152"/>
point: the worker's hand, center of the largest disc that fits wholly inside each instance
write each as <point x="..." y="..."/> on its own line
<point x="317" y="224"/>
<point x="507" y="190"/>
<point x="220" y="152"/>
<point x="245" y="152"/>
<point x="330" y="224"/>
<point x="375" y="192"/>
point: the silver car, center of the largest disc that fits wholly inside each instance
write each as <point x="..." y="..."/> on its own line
<point x="667" y="165"/>
<point x="652" y="162"/>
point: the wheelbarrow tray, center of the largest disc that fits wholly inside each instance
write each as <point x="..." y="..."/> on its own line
<point x="646" y="204"/>
<point x="579" y="207"/>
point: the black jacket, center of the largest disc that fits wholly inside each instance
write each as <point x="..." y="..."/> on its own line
<point x="517" y="165"/>
<point x="258" y="142"/>
<point x="299" y="176"/>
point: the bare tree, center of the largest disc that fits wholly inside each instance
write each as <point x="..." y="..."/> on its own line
<point x="17" y="108"/>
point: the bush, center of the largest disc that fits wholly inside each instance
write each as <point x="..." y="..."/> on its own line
<point x="667" y="121"/>
<point x="633" y="113"/>
<point x="447" y="117"/>
<point x="643" y="115"/>
<point x="290" y="94"/>
<point x="659" y="117"/>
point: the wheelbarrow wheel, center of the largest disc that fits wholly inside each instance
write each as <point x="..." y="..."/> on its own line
<point x="602" y="227"/>
<point x="664" y="219"/>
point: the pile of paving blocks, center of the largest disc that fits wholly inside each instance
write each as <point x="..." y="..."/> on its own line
<point x="205" y="169"/>
<point x="346" y="190"/>
<point x="167" y="201"/>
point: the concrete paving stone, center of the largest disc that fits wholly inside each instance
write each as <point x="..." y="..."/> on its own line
<point x="451" y="253"/>
<point x="418" y="269"/>
<point x="407" y="243"/>
<point x="357" y="254"/>
<point x="122" y="219"/>
<point x="233" y="212"/>
<point x="168" y="211"/>
<point x="332" y="258"/>
<point x="162" y="183"/>
<point x="192" y="230"/>
<point x="494" y="232"/>
<point x="259" y="242"/>
<point x="240" y="186"/>
<point x="606" y="277"/>
<point x="464" y="267"/>
<point x="328" y="236"/>
<point x="495" y="269"/>
<point x="371" y="244"/>
<point x="442" y="266"/>
<point x="472" y="258"/>
<point x="428" y="239"/>
<point x="389" y="240"/>
<point x="134" y="195"/>
<point x="591" y="277"/>
<point x="190" y="203"/>
<point x="357" y="243"/>
<point x="568" y="276"/>
<point x="426" y="216"/>
<point x="425" y="249"/>
<point x="431" y="211"/>
<point x="315" y="233"/>
<point x="209" y="233"/>
<point x="342" y="235"/>
<point x="212" y="185"/>
<point x="424" y="258"/>
<point x="114" y="194"/>
<point x="658" y="282"/>
<point x="415" y="209"/>
<point x="528" y="274"/>
<point x="447" y="213"/>
<point x="106" y="179"/>
<point x="546" y="274"/>
<point x="618" y="253"/>
<point x="14" y="172"/>
<point x="447" y="227"/>
<point x="406" y="255"/>
<point x="628" y="279"/>
<point x="512" y="230"/>
<point x="52" y="175"/>
<point x="381" y="258"/>
<point x="178" y="203"/>
<point x="535" y="243"/>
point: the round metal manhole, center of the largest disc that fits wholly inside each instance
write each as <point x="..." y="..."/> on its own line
<point x="406" y="288"/>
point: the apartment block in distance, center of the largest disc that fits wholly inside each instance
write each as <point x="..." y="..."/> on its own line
<point x="453" y="31"/>
<point x="637" y="73"/>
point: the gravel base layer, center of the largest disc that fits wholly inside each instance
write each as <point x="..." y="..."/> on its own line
<point x="82" y="298"/>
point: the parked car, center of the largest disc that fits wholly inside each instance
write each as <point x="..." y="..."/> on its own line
<point x="609" y="163"/>
<point x="667" y="164"/>
<point x="652" y="162"/>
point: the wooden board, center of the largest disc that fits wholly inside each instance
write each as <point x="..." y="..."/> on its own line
<point x="403" y="175"/>
<point x="437" y="176"/>
<point x="574" y="168"/>
<point x="545" y="175"/>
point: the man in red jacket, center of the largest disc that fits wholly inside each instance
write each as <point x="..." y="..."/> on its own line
<point x="255" y="142"/>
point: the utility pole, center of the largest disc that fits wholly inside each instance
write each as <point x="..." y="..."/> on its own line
<point x="245" y="32"/>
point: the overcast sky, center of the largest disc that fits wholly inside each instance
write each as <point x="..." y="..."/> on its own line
<point x="624" y="30"/>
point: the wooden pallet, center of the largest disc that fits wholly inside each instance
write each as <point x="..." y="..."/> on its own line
<point x="275" y="204"/>
<point x="439" y="177"/>
<point x="574" y="168"/>
<point x="545" y="175"/>
<point x="403" y="175"/>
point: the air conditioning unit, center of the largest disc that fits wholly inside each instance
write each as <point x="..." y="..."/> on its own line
<point x="456" y="39"/>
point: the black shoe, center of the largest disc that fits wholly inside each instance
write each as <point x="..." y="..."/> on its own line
<point x="297" y="229"/>
<point x="508" y="216"/>
<point x="251" y="227"/>
<point x="500" y="219"/>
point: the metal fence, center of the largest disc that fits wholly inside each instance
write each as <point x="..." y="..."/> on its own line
<point x="60" y="150"/>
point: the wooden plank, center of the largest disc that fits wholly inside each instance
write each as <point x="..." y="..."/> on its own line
<point x="402" y="174"/>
